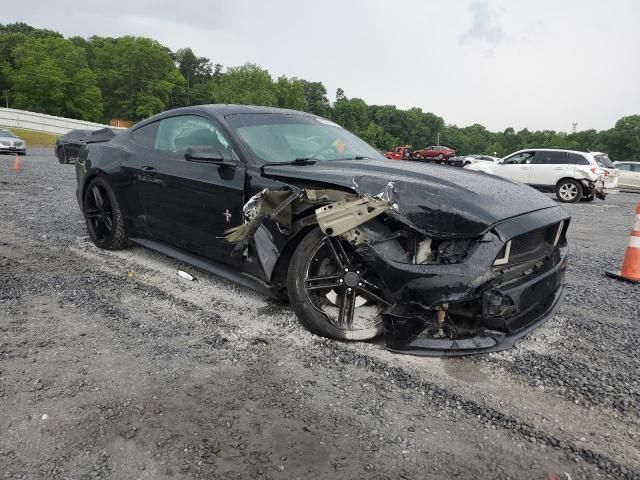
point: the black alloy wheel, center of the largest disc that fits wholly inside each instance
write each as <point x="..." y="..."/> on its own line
<point x="103" y="217"/>
<point x="333" y="292"/>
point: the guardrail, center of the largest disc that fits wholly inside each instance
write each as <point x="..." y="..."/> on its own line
<point x="10" y="117"/>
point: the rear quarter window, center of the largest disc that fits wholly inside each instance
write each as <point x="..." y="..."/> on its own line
<point x="145" y="136"/>
<point x="577" y="159"/>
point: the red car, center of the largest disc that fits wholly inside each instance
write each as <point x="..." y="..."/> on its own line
<point x="438" y="151"/>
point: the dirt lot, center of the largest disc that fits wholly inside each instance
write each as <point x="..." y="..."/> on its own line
<point x="111" y="365"/>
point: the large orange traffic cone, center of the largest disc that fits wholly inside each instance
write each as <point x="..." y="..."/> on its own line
<point x="631" y="264"/>
<point x="16" y="164"/>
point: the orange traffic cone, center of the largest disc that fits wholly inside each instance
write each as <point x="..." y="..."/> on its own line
<point x="16" y="164"/>
<point x="631" y="264"/>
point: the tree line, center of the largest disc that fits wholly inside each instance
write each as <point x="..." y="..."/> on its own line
<point x="132" y="78"/>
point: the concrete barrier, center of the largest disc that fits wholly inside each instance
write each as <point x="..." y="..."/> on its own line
<point x="10" y="117"/>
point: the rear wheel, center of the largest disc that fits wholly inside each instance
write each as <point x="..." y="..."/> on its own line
<point x="103" y="216"/>
<point x="332" y="292"/>
<point x="569" y="191"/>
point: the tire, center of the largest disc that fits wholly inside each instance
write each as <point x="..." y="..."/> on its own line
<point x="569" y="191"/>
<point x="103" y="216"/>
<point x="62" y="157"/>
<point x="441" y="157"/>
<point x="318" y="288"/>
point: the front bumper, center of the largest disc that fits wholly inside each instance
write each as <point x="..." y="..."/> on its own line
<point x="487" y="308"/>
<point x="5" y="149"/>
<point x="536" y="302"/>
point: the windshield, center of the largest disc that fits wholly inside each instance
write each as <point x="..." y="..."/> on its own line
<point x="277" y="138"/>
<point x="6" y="133"/>
<point x="604" y="161"/>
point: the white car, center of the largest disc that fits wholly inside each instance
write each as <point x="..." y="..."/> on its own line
<point x="611" y="173"/>
<point x="10" y="143"/>
<point x="573" y="175"/>
<point x="469" y="159"/>
<point x="629" y="176"/>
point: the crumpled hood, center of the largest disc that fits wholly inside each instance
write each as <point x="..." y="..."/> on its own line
<point x="441" y="201"/>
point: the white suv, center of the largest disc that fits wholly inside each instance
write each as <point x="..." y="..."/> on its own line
<point x="571" y="174"/>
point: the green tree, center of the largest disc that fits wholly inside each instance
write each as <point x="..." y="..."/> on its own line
<point x="51" y="76"/>
<point x="351" y="114"/>
<point x="247" y="85"/>
<point x="137" y="76"/>
<point x="623" y="140"/>
<point x="290" y="93"/>
<point x="315" y="95"/>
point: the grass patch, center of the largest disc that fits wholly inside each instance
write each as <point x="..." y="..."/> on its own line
<point x="35" y="139"/>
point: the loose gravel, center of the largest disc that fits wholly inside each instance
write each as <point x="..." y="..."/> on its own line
<point x="112" y="365"/>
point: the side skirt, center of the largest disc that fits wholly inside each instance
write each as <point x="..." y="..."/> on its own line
<point x="211" y="267"/>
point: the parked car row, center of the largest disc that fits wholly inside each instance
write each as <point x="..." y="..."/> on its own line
<point x="436" y="154"/>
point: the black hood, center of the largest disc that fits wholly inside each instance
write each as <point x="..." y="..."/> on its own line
<point x="440" y="201"/>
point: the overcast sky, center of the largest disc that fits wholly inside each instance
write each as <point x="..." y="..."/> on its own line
<point x="537" y="64"/>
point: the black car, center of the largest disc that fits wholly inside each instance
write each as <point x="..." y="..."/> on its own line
<point x="442" y="261"/>
<point x="68" y="146"/>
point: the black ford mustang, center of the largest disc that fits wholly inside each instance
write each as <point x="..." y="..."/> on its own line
<point x="442" y="261"/>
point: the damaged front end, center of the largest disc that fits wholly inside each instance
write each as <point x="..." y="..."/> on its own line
<point x="446" y="292"/>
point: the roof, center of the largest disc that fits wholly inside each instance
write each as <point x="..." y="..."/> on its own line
<point x="222" y="110"/>
<point x="229" y="109"/>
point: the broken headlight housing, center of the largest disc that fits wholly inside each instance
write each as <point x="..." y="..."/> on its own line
<point x="427" y="250"/>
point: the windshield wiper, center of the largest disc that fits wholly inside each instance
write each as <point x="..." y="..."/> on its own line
<point x="357" y="157"/>
<point x="298" y="161"/>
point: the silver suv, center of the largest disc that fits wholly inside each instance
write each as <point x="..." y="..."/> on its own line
<point x="573" y="175"/>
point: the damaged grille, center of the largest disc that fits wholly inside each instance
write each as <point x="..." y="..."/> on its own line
<point x="531" y="245"/>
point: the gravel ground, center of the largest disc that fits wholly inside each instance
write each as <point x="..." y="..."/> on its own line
<point x="111" y="365"/>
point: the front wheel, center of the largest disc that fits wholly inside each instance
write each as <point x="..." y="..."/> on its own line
<point x="62" y="157"/>
<point x="569" y="191"/>
<point x="332" y="292"/>
<point x="103" y="216"/>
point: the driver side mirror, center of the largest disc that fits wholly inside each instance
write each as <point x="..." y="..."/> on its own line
<point x="202" y="154"/>
<point x="207" y="155"/>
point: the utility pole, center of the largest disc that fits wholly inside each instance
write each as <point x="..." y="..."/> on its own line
<point x="6" y="97"/>
<point x="574" y="127"/>
<point x="438" y="142"/>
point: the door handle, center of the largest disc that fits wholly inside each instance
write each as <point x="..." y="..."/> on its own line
<point x="558" y="168"/>
<point x="148" y="170"/>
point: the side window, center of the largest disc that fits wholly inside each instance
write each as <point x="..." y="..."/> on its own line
<point x="551" y="158"/>
<point x="577" y="159"/>
<point x="624" y="166"/>
<point x="145" y="136"/>
<point x="176" y="134"/>
<point x="519" y="158"/>
<point x="635" y="167"/>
